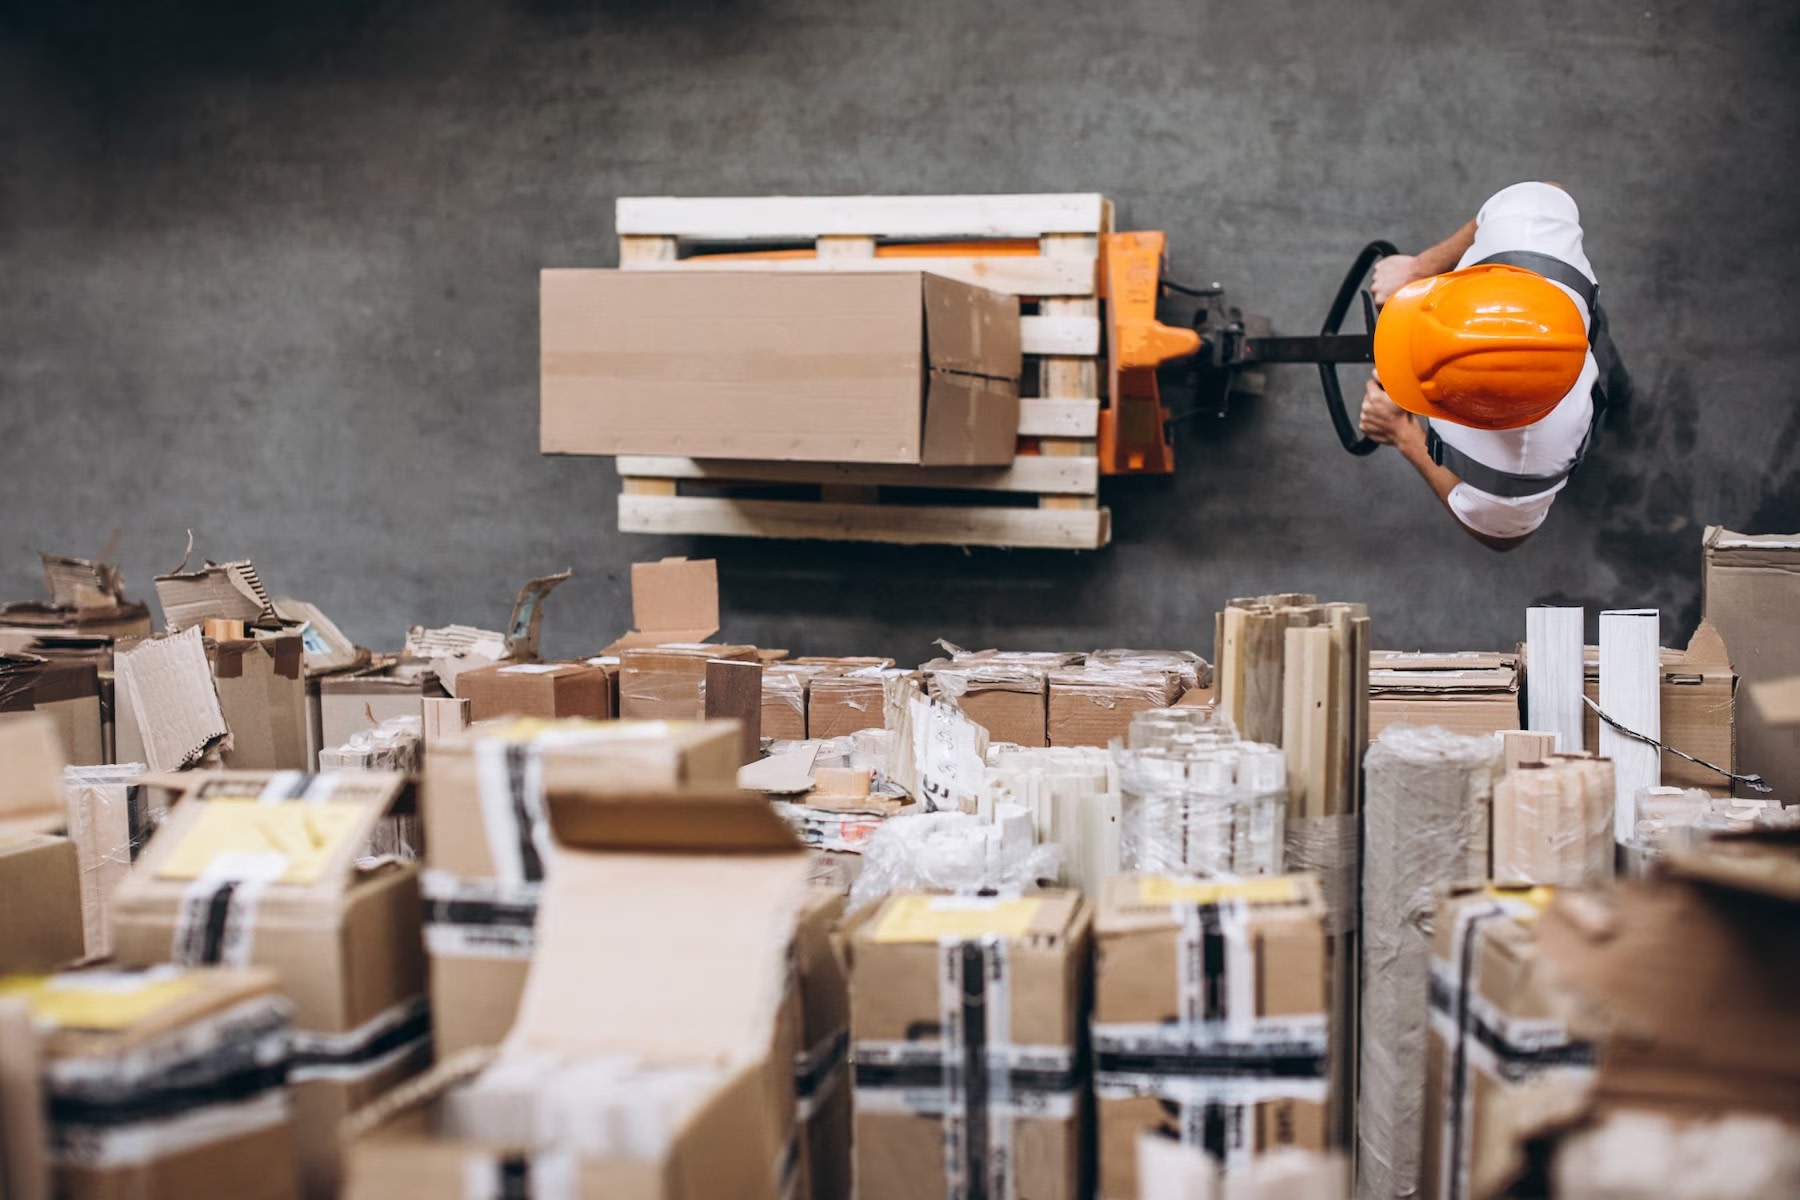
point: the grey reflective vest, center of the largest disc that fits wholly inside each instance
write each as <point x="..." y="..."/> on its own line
<point x="1612" y="386"/>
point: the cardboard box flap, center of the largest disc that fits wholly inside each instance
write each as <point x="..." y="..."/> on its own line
<point x="663" y="929"/>
<point x="31" y="796"/>
<point x="327" y="649"/>
<point x="227" y="591"/>
<point x="81" y="583"/>
<point x="674" y="600"/>
<point x="970" y="330"/>
<point x="285" y="829"/>
<point x="678" y="823"/>
<point x="1772" y="551"/>
<point x="528" y="614"/>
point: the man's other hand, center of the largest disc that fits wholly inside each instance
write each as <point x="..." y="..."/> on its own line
<point x="1386" y="422"/>
<point x="1393" y="273"/>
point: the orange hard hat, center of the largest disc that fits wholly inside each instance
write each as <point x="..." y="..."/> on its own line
<point x="1493" y="346"/>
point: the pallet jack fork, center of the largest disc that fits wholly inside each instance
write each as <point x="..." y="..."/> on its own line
<point x="1205" y="356"/>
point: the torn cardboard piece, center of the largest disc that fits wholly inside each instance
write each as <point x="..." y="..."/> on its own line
<point x="327" y="649"/>
<point x="230" y="591"/>
<point x="453" y="649"/>
<point x="168" y="682"/>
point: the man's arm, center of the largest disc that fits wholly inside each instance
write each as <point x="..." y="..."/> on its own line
<point x="1397" y="270"/>
<point x="1386" y="422"/>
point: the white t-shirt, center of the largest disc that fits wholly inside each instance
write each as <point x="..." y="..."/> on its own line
<point x="1525" y="216"/>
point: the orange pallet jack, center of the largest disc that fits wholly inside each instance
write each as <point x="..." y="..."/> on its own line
<point x="1209" y="351"/>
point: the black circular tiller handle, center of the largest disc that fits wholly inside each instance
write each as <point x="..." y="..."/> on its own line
<point x="1347" y="429"/>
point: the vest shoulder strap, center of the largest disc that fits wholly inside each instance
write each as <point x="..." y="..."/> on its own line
<point x="1551" y="268"/>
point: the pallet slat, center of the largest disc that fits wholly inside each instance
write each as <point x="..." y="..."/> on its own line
<point x="1074" y="337"/>
<point x="766" y="218"/>
<point x="1042" y="528"/>
<point x="1016" y="275"/>
<point x="1028" y="473"/>
<point x="1059" y="418"/>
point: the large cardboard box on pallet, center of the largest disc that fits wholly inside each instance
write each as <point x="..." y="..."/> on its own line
<point x="1498" y="1036"/>
<point x="261" y="869"/>
<point x="679" y="1086"/>
<point x="1006" y="693"/>
<point x="890" y="367"/>
<point x="1211" y="1019"/>
<point x="991" y="993"/>
<point x="1471" y="692"/>
<point x="483" y="799"/>
<point x="165" y="1084"/>
<point x="1750" y="591"/>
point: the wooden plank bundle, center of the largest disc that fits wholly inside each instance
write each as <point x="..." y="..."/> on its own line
<point x="1295" y="672"/>
<point x="1553" y="822"/>
<point x="1045" y="249"/>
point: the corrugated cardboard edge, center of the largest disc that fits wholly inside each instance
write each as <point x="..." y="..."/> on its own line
<point x="522" y="630"/>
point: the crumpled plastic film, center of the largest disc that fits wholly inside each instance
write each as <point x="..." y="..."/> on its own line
<point x="1196" y="801"/>
<point x="1424" y="825"/>
<point x="109" y="820"/>
<point x="954" y="852"/>
<point x="1670" y="819"/>
<point x="1328" y="847"/>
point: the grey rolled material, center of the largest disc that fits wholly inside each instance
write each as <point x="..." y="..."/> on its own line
<point x="1425" y="824"/>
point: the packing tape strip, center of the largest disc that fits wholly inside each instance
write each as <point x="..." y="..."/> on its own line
<point x="509" y="779"/>
<point x="215" y="923"/>
<point x="393" y="1035"/>
<point x="220" y="1077"/>
<point x="819" y="1070"/>
<point x="552" y="1175"/>
<point x="479" y="918"/>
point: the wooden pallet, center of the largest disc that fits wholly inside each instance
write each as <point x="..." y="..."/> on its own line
<point x="1048" y="497"/>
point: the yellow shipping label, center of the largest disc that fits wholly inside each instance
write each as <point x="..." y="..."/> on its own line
<point x="100" y="1000"/>
<point x="580" y="731"/>
<point x="1159" y="890"/>
<point x="309" y="835"/>
<point x="1538" y="895"/>
<point x="933" y="918"/>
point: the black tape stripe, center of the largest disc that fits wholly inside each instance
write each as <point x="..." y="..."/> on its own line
<point x="974" y="1065"/>
<point x="169" y="1100"/>
<point x="925" y="1076"/>
<point x="810" y="1078"/>
<point x="513" y="1177"/>
<point x="1223" y="1064"/>
<point x="517" y="758"/>
<point x="218" y="915"/>
<point x="416" y="1028"/>
<point x="137" y="818"/>
<point x="503" y="913"/>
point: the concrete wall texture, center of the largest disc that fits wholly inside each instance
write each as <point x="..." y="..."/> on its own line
<point x="270" y="272"/>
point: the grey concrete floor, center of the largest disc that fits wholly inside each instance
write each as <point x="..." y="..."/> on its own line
<point x="269" y="272"/>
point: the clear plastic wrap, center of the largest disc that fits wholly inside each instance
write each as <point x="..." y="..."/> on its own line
<point x="1672" y="819"/>
<point x="954" y="852"/>
<point x="1194" y="800"/>
<point x="1424" y="825"/>
<point x="109" y="820"/>
<point x="1553" y="822"/>
<point x="1072" y="794"/>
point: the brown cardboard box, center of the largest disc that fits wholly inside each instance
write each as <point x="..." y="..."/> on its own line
<point x="165" y="1084"/>
<point x="839" y="705"/>
<point x="1699" y="712"/>
<point x="482" y="894"/>
<point x="1006" y="694"/>
<point x="1470" y="693"/>
<point x="66" y="691"/>
<point x="1499" y="1033"/>
<point x="1211" y="1025"/>
<point x="361" y="700"/>
<point x="345" y="942"/>
<point x="672" y="600"/>
<point x="1751" y="594"/>
<point x="784" y="698"/>
<point x="821" y="1065"/>
<point x="547" y="690"/>
<point x="668" y="683"/>
<point x="842" y="367"/>
<point x="40" y="904"/>
<point x="257" y="685"/>
<point x="1094" y="705"/>
<point x="1690" y="978"/>
<point x="1013" y="970"/>
<point x="717" y="876"/>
